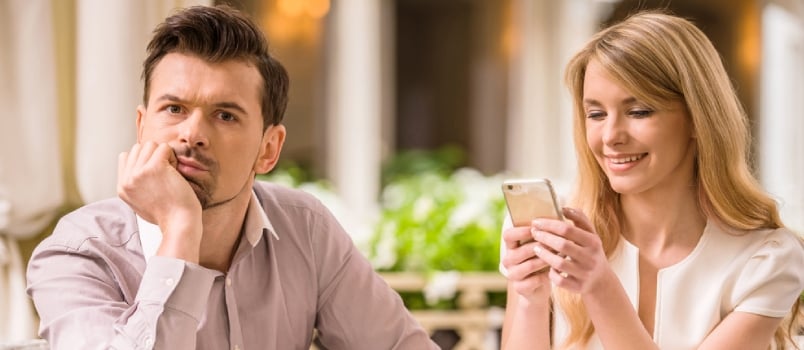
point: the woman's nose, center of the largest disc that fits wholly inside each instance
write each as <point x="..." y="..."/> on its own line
<point x="615" y="131"/>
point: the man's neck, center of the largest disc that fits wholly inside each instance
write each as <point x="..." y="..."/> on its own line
<point x="223" y="226"/>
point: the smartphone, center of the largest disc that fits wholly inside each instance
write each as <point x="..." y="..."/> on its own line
<point x="529" y="199"/>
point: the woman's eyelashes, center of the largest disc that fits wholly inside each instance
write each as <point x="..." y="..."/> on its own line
<point x="634" y="113"/>
<point x="595" y="115"/>
<point x="640" y="112"/>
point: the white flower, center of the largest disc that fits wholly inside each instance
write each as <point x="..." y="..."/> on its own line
<point x="422" y="208"/>
<point x="393" y="196"/>
<point x="385" y="254"/>
<point x="442" y="286"/>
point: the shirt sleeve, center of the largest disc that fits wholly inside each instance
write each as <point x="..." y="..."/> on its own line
<point x="773" y="278"/>
<point x="357" y="309"/>
<point x="81" y="305"/>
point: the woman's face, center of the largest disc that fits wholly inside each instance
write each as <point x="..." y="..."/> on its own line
<point x="641" y="148"/>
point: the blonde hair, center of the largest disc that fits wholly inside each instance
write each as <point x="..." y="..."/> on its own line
<point x="662" y="58"/>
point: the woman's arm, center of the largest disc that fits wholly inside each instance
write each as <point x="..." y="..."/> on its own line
<point x="526" y="324"/>
<point x="527" y="310"/>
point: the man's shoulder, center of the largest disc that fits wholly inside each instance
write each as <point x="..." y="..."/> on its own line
<point x="277" y="197"/>
<point x="110" y="221"/>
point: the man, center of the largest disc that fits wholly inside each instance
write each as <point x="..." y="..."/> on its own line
<point x="195" y="254"/>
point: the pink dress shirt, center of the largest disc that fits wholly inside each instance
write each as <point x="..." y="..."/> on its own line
<point x="97" y="285"/>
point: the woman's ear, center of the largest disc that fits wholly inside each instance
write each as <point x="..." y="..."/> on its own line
<point x="272" y="140"/>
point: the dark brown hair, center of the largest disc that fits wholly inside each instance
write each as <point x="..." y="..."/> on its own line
<point x="218" y="34"/>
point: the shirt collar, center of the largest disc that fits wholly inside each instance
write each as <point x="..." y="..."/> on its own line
<point x="256" y="222"/>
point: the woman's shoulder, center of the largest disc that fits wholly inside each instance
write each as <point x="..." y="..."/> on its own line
<point x="782" y="238"/>
<point x="771" y="279"/>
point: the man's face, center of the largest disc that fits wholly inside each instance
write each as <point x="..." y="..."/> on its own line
<point x="210" y="114"/>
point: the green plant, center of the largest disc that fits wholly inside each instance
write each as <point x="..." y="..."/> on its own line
<point x="410" y="163"/>
<point x="433" y="222"/>
<point x="433" y="217"/>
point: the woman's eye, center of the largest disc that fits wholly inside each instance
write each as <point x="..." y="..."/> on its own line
<point x="595" y="115"/>
<point x="640" y="113"/>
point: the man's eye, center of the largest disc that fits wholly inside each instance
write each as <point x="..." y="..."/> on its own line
<point x="227" y="117"/>
<point x="174" y="109"/>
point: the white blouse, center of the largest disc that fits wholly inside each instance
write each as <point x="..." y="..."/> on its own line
<point x="759" y="272"/>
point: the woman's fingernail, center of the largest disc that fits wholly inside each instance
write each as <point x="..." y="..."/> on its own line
<point x="537" y="223"/>
<point x="538" y="250"/>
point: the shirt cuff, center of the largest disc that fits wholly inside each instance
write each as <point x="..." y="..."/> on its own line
<point x="177" y="285"/>
<point x="161" y="276"/>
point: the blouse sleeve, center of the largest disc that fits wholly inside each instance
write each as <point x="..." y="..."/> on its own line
<point x="773" y="278"/>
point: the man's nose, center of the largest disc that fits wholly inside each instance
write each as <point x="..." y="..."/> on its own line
<point x="194" y="130"/>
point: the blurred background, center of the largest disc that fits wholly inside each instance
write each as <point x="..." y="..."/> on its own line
<point x="404" y="117"/>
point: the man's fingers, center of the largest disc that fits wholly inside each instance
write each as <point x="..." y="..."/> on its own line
<point x="146" y="153"/>
<point x="122" y="159"/>
<point x="133" y="155"/>
<point x="165" y="151"/>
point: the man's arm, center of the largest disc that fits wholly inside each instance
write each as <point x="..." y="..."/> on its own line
<point x="356" y="307"/>
<point x="90" y="297"/>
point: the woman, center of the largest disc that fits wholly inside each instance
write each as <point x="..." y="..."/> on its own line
<point x="674" y="245"/>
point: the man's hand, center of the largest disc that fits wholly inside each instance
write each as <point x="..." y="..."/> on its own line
<point x="148" y="181"/>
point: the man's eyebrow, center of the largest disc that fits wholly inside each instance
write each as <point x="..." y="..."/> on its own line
<point x="230" y="105"/>
<point x="169" y="97"/>
<point x="223" y="105"/>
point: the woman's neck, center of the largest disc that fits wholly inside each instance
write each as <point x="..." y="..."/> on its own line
<point x="661" y="219"/>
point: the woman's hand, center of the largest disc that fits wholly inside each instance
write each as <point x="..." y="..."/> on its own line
<point x="526" y="273"/>
<point x="575" y="253"/>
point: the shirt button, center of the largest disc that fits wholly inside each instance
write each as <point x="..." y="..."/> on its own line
<point x="169" y="281"/>
<point x="148" y="342"/>
<point x="229" y="283"/>
<point x="235" y="347"/>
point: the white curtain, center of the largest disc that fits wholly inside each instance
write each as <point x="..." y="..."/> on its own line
<point x="31" y="186"/>
<point x="111" y="37"/>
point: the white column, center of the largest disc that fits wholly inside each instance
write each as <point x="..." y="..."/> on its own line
<point x="112" y="36"/>
<point x="781" y="166"/>
<point x="539" y="142"/>
<point x="354" y="95"/>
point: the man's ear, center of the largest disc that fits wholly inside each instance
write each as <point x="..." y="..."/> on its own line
<point x="272" y="140"/>
<point x="140" y="115"/>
